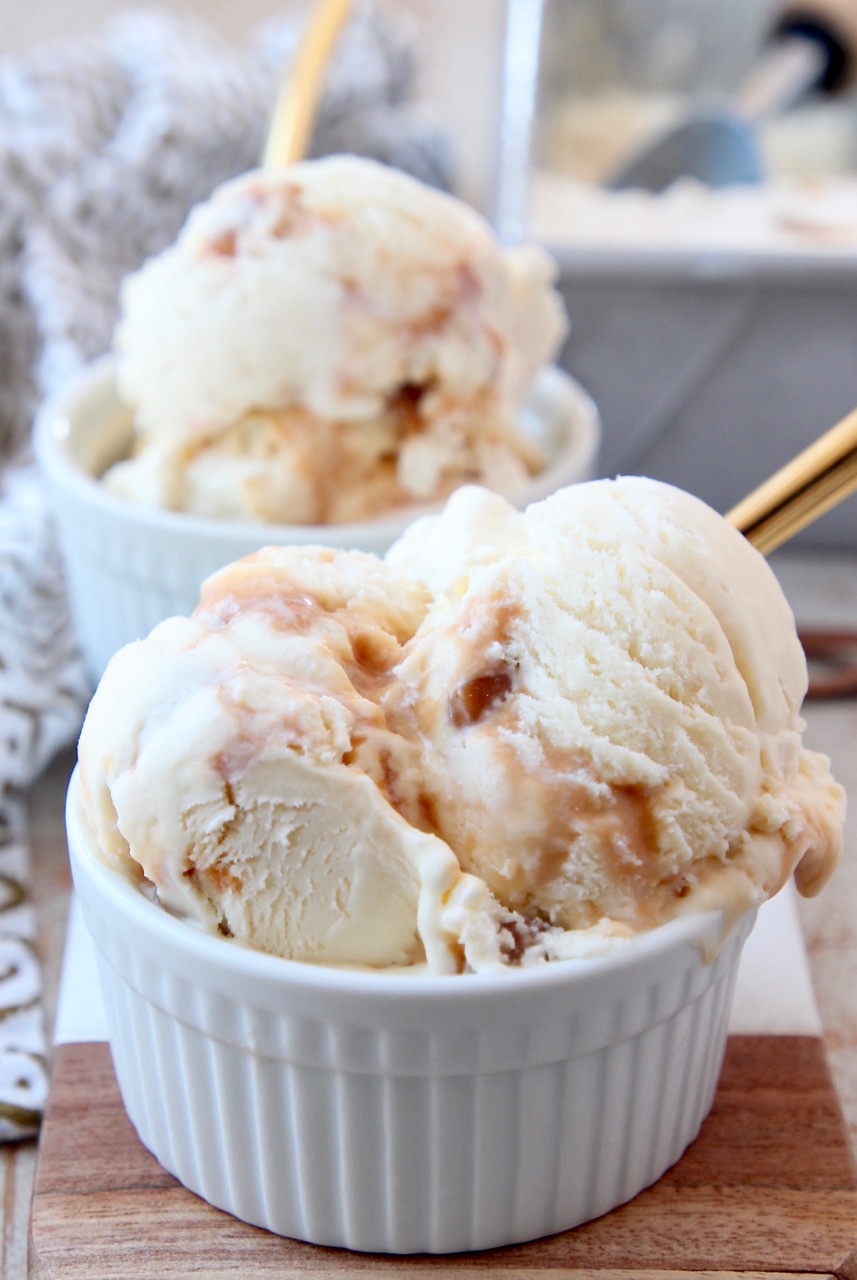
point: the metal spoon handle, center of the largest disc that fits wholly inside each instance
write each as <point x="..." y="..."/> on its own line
<point x="294" y="114"/>
<point x="790" y="66"/>
<point x="819" y="478"/>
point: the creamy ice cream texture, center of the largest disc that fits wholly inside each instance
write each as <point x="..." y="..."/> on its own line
<point x="328" y="341"/>
<point x="519" y="737"/>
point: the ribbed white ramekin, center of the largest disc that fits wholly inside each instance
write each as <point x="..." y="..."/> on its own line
<point x="129" y="567"/>
<point x="402" y="1114"/>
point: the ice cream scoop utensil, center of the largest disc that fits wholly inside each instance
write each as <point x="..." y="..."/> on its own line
<point x="823" y="475"/>
<point x="294" y="114"/>
<point x="717" y="144"/>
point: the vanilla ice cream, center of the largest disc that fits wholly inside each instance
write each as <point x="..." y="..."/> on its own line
<point x="328" y="341"/>
<point x="520" y="737"/>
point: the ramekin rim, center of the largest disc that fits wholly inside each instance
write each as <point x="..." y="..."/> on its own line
<point x="690" y="929"/>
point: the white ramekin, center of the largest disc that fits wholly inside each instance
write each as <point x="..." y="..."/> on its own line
<point x="405" y="1114"/>
<point x="128" y="567"/>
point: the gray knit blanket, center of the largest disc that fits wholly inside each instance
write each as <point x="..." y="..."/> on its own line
<point x="105" y="143"/>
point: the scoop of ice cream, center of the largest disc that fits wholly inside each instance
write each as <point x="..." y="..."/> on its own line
<point x="520" y="737"/>
<point x="240" y="762"/>
<point x="609" y="686"/>
<point x="328" y="340"/>
<point x="229" y="781"/>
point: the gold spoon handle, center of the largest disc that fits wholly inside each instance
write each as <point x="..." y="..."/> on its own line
<point x="294" y="114"/>
<point x="813" y="482"/>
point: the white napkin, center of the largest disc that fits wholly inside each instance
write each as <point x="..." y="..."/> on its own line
<point x="773" y="996"/>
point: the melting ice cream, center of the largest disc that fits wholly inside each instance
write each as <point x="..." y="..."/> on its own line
<point x="327" y="342"/>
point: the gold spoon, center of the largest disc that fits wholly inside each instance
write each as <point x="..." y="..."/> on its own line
<point x="294" y="114"/>
<point x="823" y="475"/>
<point x="801" y="491"/>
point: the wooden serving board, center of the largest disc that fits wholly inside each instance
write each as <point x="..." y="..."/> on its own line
<point x="767" y="1190"/>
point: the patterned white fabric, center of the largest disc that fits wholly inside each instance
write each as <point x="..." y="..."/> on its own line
<point x="106" y="142"/>
<point x="23" y="1069"/>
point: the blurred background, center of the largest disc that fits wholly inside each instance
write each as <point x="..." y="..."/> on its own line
<point x="24" y="25"/>
<point x="717" y="332"/>
<point x="608" y="69"/>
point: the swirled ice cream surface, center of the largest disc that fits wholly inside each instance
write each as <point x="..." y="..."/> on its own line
<point x="328" y="341"/>
<point x="520" y="737"/>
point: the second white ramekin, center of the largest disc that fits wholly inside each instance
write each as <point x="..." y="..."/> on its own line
<point x="405" y="1114"/>
<point x="128" y="567"/>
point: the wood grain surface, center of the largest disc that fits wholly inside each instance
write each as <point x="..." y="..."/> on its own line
<point x="767" y="1190"/>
